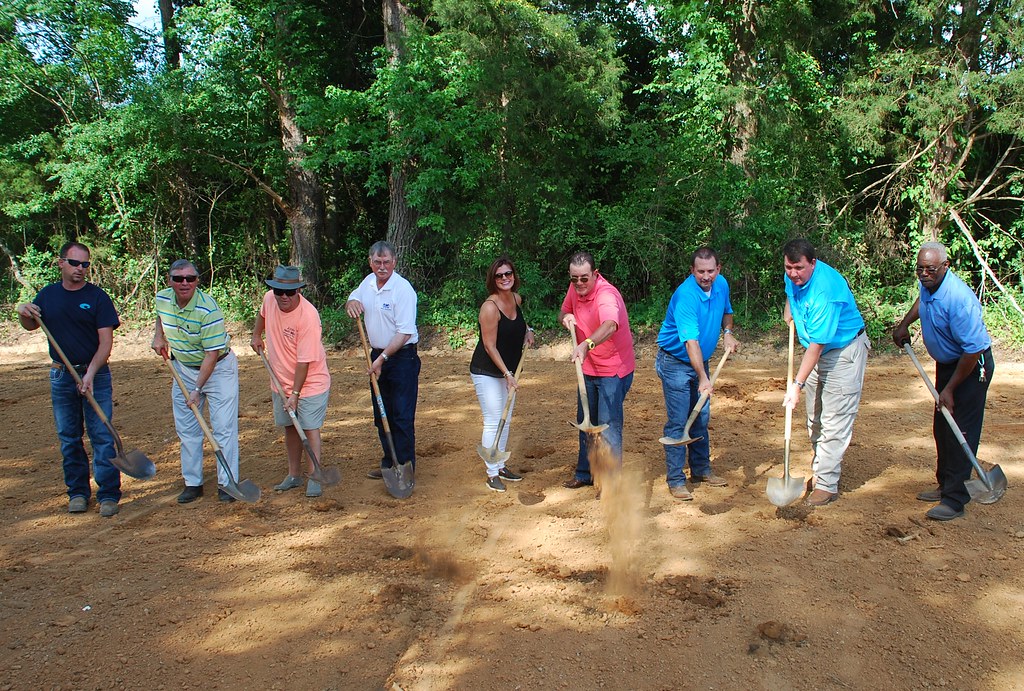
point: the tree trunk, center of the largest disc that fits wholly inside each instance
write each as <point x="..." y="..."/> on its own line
<point x="401" y="217"/>
<point x="172" y="48"/>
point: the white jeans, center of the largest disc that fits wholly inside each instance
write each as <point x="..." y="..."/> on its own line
<point x="492" y="394"/>
<point x="221" y="390"/>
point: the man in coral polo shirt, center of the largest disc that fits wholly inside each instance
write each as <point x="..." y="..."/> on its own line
<point x="296" y="353"/>
<point x="594" y="308"/>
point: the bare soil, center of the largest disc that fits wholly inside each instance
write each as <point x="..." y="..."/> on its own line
<point x="541" y="587"/>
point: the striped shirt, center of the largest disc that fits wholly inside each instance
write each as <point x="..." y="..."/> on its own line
<point x="193" y="330"/>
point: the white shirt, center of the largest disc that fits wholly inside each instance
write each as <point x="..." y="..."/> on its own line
<point x="388" y="310"/>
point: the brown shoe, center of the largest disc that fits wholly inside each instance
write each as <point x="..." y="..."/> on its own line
<point x="680" y="492"/>
<point x="711" y="480"/>
<point x="576" y="484"/>
<point x="820" y="497"/>
<point x="932" y="495"/>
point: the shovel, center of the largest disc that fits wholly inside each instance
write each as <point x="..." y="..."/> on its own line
<point x="584" y="426"/>
<point x="783" y="491"/>
<point x="686" y="439"/>
<point x="492" y="455"/>
<point x="994" y="480"/>
<point x="246" y="490"/>
<point x="134" y="463"/>
<point x="400" y="478"/>
<point x="325" y="476"/>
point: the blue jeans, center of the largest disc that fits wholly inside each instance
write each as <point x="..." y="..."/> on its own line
<point x="70" y="410"/>
<point x="680" y="384"/>
<point x="399" y="383"/>
<point x="605" y="395"/>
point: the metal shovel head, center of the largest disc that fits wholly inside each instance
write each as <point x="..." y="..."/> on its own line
<point x="981" y="493"/>
<point x="135" y="464"/>
<point x="589" y="429"/>
<point x="246" y="491"/>
<point x="783" y="491"/>
<point x="400" y="480"/>
<point x="492" y="455"/>
<point x="681" y="441"/>
<point x="326" y="476"/>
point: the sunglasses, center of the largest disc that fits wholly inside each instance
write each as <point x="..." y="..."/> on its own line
<point x="505" y="274"/>
<point x="185" y="279"/>
<point x="77" y="263"/>
<point x="579" y="279"/>
<point x="281" y="291"/>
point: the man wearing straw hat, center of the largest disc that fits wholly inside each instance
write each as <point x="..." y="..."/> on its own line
<point x="82" y="319"/>
<point x="296" y="353"/>
<point x="190" y="330"/>
<point x="700" y="309"/>
<point x="955" y="335"/>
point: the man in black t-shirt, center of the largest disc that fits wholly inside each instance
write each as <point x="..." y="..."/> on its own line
<point x="82" y="319"/>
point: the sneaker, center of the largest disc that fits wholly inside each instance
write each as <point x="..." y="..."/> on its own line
<point x="108" y="508"/>
<point x="190" y="494"/>
<point x="943" y="513"/>
<point x="289" y="482"/>
<point x="710" y="479"/>
<point x="506" y="474"/>
<point x="224" y="496"/>
<point x="680" y="492"/>
<point x="931" y="495"/>
<point x="313" y="489"/>
<point x="78" y="505"/>
<point x="495" y="483"/>
<point x="375" y="474"/>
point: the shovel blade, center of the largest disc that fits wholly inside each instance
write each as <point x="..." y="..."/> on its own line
<point x="400" y="480"/>
<point x="783" y="491"/>
<point x="981" y="493"/>
<point x="492" y="455"/>
<point x="246" y="491"/>
<point x="326" y="476"/>
<point x="681" y="441"/>
<point x="135" y="464"/>
<point x="589" y="429"/>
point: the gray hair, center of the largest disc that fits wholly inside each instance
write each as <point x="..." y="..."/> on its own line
<point x="182" y="264"/>
<point x="382" y="247"/>
<point x="935" y="247"/>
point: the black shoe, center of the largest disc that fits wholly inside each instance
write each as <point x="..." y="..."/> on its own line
<point x="190" y="494"/>
<point x="941" y="512"/>
<point x="508" y="476"/>
<point x="224" y="496"/>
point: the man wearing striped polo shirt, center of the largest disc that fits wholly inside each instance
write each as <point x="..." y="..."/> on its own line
<point x="190" y="330"/>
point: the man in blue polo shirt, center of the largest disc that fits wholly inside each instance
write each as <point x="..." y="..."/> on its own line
<point x="82" y="319"/>
<point x="955" y="336"/>
<point x="698" y="312"/>
<point x="831" y="372"/>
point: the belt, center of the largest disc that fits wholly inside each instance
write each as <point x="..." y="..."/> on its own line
<point x="407" y="346"/>
<point x="77" y="368"/>
<point x="222" y="356"/>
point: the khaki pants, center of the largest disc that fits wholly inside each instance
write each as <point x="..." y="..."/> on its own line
<point x="833" y="397"/>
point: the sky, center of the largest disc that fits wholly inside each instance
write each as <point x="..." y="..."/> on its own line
<point x="147" y="16"/>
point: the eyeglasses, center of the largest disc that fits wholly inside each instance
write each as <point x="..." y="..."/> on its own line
<point x="930" y="270"/>
<point x="77" y="263"/>
<point x="185" y="279"/>
<point x="281" y="291"/>
<point x="505" y="274"/>
<point x="579" y="279"/>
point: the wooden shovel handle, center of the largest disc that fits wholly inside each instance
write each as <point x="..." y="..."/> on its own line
<point x="704" y="397"/>
<point x="195" y="410"/>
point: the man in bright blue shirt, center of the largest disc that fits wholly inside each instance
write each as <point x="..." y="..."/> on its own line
<point x="955" y="335"/>
<point x="831" y="330"/>
<point x="697" y="313"/>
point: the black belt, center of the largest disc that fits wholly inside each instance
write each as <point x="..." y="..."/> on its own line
<point x="222" y="356"/>
<point x="407" y="346"/>
<point x="77" y="368"/>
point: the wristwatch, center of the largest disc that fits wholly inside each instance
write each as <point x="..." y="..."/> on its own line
<point x="384" y="355"/>
<point x="590" y="344"/>
<point x="728" y="331"/>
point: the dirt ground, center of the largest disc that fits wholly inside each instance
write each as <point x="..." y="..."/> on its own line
<point x="541" y="587"/>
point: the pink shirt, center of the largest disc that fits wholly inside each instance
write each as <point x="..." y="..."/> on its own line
<point x="294" y="337"/>
<point x="614" y="357"/>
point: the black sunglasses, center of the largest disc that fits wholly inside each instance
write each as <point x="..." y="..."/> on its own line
<point x="505" y="274"/>
<point x="579" y="279"/>
<point x="185" y="279"/>
<point x="76" y="263"/>
<point x="281" y="291"/>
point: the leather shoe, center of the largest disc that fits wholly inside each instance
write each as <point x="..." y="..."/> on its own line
<point x="680" y="492"/>
<point x="820" y="497"/>
<point x="711" y="480"/>
<point x="375" y="474"/>
<point x="943" y="513"/>
<point x="576" y="484"/>
<point x="190" y="494"/>
<point x="930" y="495"/>
<point x="224" y="496"/>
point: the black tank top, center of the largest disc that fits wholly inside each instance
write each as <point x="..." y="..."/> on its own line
<point x="509" y="340"/>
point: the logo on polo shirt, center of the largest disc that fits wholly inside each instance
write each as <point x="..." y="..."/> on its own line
<point x="84" y="306"/>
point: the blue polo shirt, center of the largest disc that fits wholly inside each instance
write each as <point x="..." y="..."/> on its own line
<point x="951" y="321"/>
<point x="824" y="309"/>
<point x="694" y="315"/>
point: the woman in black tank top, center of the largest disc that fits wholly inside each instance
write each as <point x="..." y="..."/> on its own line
<point x="503" y="335"/>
